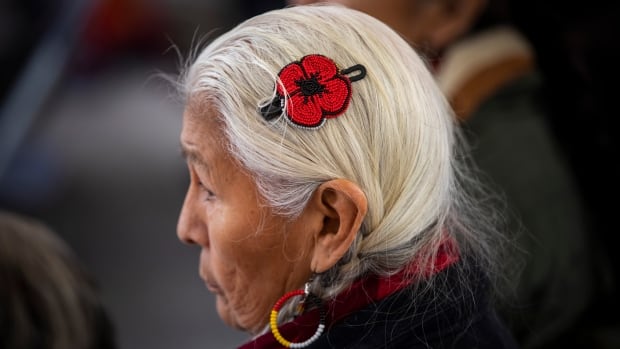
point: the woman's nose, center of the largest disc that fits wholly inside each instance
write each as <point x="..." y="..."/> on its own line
<point x="191" y="228"/>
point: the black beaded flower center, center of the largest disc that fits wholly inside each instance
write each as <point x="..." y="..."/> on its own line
<point x="310" y="87"/>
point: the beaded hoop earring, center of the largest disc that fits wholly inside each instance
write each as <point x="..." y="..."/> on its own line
<point x="310" y="299"/>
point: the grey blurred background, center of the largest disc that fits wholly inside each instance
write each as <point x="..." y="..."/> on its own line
<point x="90" y="145"/>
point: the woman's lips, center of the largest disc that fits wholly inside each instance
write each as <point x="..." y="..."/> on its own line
<point x="212" y="288"/>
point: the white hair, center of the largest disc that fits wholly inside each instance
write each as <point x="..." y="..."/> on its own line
<point x="398" y="140"/>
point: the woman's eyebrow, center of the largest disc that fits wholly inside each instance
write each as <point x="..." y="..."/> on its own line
<point x="194" y="157"/>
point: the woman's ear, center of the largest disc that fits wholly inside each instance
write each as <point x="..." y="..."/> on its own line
<point x="343" y="207"/>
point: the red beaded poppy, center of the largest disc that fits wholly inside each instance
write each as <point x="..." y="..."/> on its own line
<point x="315" y="90"/>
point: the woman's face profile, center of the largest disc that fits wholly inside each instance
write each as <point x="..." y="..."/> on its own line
<point x="249" y="256"/>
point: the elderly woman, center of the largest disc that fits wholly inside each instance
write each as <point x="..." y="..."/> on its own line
<point x="328" y="190"/>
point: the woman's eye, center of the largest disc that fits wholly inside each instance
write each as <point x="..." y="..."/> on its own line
<point x="209" y="195"/>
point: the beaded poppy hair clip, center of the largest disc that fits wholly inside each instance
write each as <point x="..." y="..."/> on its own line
<point x="315" y="90"/>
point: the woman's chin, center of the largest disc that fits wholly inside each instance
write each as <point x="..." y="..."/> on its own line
<point x="227" y="316"/>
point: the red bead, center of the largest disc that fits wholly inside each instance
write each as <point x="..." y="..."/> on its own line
<point x="286" y="297"/>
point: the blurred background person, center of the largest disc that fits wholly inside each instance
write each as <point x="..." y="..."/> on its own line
<point x="487" y="69"/>
<point x="47" y="298"/>
<point x="578" y="52"/>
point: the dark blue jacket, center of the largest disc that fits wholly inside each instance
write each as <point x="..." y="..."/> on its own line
<point x="450" y="314"/>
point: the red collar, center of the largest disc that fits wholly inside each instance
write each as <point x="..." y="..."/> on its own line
<point x="360" y="294"/>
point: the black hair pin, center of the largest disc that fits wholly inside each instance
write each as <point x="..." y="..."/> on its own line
<point x="273" y="109"/>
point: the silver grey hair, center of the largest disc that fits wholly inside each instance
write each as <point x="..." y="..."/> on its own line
<point x="398" y="140"/>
